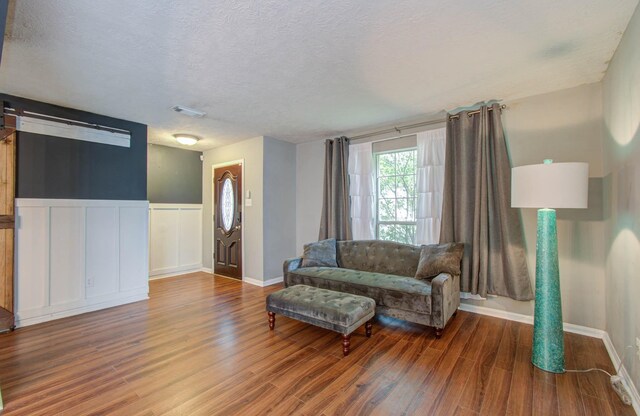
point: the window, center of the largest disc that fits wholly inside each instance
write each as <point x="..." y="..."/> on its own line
<point x="396" y="196"/>
<point x="227" y="204"/>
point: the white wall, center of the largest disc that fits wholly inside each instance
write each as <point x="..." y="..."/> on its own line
<point x="175" y="238"/>
<point x="252" y="152"/>
<point x="565" y="126"/>
<point x="74" y="256"/>
<point x="622" y="191"/>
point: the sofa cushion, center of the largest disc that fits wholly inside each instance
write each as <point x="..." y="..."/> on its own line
<point x="321" y="253"/>
<point x="378" y="256"/>
<point x="439" y="258"/>
<point x="405" y="293"/>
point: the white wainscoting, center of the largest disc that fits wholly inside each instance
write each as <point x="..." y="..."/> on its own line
<point x="75" y="256"/>
<point x="175" y="234"/>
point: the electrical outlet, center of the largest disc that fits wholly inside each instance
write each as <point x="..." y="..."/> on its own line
<point x="638" y="347"/>
<point x="89" y="282"/>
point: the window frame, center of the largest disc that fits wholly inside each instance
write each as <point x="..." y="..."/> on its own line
<point x="378" y="222"/>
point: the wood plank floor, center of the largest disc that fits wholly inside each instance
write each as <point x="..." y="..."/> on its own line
<point x="201" y="346"/>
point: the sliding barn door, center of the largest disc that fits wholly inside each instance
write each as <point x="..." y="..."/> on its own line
<point x="7" y="189"/>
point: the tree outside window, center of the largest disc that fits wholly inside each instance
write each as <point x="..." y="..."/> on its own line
<point x="396" y="179"/>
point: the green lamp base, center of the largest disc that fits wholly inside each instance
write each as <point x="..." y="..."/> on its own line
<point x="548" y="336"/>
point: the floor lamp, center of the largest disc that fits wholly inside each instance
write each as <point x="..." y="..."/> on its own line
<point x="548" y="186"/>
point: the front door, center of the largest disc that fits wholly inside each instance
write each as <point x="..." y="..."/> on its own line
<point x="227" y="249"/>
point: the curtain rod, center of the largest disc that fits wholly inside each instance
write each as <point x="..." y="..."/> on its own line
<point x="416" y="125"/>
<point x="474" y="112"/>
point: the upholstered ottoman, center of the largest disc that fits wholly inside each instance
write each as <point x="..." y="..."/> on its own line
<point x="336" y="311"/>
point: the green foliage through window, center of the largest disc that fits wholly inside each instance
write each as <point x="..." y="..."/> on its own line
<point x="396" y="178"/>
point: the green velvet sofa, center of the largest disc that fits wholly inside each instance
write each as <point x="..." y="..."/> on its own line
<point x="384" y="271"/>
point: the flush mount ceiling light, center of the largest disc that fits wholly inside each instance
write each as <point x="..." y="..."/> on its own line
<point x="191" y="112"/>
<point x="186" y="139"/>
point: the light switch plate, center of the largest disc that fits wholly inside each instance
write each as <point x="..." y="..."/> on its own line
<point x="247" y="202"/>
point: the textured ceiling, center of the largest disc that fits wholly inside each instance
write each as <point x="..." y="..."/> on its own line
<point x="300" y="70"/>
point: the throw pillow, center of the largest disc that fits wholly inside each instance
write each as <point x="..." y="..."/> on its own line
<point x="320" y="254"/>
<point x="439" y="258"/>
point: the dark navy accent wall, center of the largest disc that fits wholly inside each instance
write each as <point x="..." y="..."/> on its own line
<point x="174" y="175"/>
<point x="54" y="167"/>
<point x="4" y="9"/>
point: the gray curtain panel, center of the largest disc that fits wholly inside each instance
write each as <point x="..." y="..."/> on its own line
<point x="477" y="207"/>
<point x="336" y="206"/>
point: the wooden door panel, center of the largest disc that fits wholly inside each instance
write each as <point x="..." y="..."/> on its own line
<point x="7" y="198"/>
<point x="221" y="253"/>
<point x="227" y="187"/>
<point x="234" y="255"/>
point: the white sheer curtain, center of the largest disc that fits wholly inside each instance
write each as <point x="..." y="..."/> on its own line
<point x="362" y="191"/>
<point x="430" y="183"/>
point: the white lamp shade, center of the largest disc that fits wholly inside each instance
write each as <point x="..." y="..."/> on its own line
<point x="552" y="185"/>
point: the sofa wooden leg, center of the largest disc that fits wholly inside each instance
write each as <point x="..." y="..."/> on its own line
<point x="454" y="314"/>
<point x="367" y="328"/>
<point x="272" y="320"/>
<point x="438" y="333"/>
<point x="346" y="344"/>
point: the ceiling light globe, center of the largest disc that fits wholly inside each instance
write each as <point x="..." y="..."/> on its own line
<point x="186" y="139"/>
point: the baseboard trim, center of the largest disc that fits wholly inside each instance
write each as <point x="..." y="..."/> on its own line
<point x="274" y="281"/>
<point x="496" y="313"/>
<point x="263" y="283"/>
<point x="84" y="309"/>
<point x="174" y="273"/>
<point x="527" y="319"/>
<point x="572" y="328"/>
<point x="206" y="270"/>
<point x="615" y="359"/>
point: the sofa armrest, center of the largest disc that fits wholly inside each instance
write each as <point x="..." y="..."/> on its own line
<point x="445" y="297"/>
<point x="289" y="266"/>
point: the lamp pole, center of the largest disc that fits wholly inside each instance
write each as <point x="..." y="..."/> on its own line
<point x="548" y="186"/>
<point x="548" y="337"/>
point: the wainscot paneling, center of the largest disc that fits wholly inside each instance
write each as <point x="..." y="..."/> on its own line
<point x="175" y="238"/>
<point x="75" y="256"/>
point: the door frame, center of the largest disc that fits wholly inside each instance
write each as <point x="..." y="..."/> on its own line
<point x="213" y="210"/>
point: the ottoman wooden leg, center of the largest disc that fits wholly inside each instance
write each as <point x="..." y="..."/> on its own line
<point x="367" y="328"/>
<point x="346" y="344"/>
<point x="438" y="333"/>
<point x="272" y="320"/>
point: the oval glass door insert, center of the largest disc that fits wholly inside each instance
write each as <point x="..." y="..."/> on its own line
<point x="227" y="205"/>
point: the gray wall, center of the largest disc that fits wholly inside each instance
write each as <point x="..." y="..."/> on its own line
<point x="621" y="103"/>
<point x="309" y="183"/>
<point x="565" y="126"/>
<point x="54" y="167"/>
<point x="4" y="9"/>
<point x="269" y="174"/>
<point x="279" y="205"/>
<point x="252" y="152"/>
<point x="174" y="176"/>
